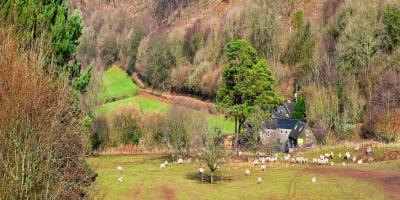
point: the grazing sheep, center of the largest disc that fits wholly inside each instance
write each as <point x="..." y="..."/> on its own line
<point x="324" y="161"/>
<point x="166" y="163"/>
<point x="314" y="161"/>
<point x="347" y="156"/>
<point x="263" y="167"/>
<point x="247" y="172"/>
<point x="180" y="161"/>
<point x="259" y="180"/>
<point x="327" y="155"/>
<point x="369" y="150"/>
<point x="343" y="163"/>
<point x="120" y="169"/>
<point x="255" y="162"/>
<point x="354" y="159"/>
<point x="360" y="161"/>
<point x="162" y="166"/>
<point x="287" y="157"/>
<point x="202" y="170"/>
<point x="314" y="179"/>
<point x="332" y="154"/>
<point x="321" y="156"/>
<point x="120" y="179"/>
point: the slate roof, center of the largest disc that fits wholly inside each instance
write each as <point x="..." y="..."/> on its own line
<point x="297" y="126"/>
<point x="284" y="111"/>
<point x="297" y="130"/>
<point x="283" y="123"/>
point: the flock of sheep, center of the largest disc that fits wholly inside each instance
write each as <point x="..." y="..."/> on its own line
<point x="262" y="160"/>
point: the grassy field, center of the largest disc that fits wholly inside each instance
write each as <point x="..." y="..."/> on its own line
<point x="142" y="179"/>
<point x="116" y="84"/>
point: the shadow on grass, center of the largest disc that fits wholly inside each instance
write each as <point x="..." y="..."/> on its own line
<point x="206" y="178"/>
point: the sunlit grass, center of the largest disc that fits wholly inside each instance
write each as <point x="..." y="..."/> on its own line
<point x="142" y="179"/>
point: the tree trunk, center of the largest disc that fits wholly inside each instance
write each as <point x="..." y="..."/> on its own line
<point x="236" y="132"/>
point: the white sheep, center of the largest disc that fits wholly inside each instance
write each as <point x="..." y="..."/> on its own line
<point x="275" y="159"/>
<point x="120" y="169"/>
<point x="263" y="167"/>
<point x="332" y="154"/>
<point x="247" y="172"/>
<point x="255" y="162"/>
<point x="369" y="150"/>
<point x="314" y="179"/>
<point x="321" y="156"/>
<point x="259" y="180"/>
<point x="343" y="163"/>
<point x="354" y="159"/>
<point x="360" y="161"/>
<point x="314" y="160"/>
<point x="357" y="147"/>
<point x="120" y="179"/>
<point x="180" y="161"/>
<point x="340" y="155"/>
<point x="347" y="156"/>
<point x="166" y="163"/>
<point x="287" y="157"/>
<point x="162" y="166"/>
<point x="327" y="155"/>
<point x="332" y="163"/>
<point x="202" y="170"/>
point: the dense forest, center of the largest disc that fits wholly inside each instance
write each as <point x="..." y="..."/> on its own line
<point x="341" y="56"/>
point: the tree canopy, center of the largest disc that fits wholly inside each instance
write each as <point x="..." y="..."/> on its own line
<point x="247" y="83"/>
<point x="299" y="109"/>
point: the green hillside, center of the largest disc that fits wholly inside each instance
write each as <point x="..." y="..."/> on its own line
<point x="116" y="84"/>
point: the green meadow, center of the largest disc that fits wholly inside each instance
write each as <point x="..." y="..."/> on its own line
<point x="117" y="85"/>
<point x="143" y="179"/>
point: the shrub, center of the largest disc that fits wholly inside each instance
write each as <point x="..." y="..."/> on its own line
<point x="299" y="109"/>
<point x="108" y="47"/>
<point x="298" y="19"/>
<point x="392" y="27"/>
<point x="192" y="40"/>
<point x="300" y="48"/>
<point x="159" y="63"/>
<point x="136" y="38"/>
<point x="126" y="126"/>
<point x="153" y="129"/>
<point x="182" y="126"/>
<point x="99" y="133"/>
<point x="41" y="144"/>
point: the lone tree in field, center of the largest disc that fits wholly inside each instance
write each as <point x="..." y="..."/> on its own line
<point x="247" y="83"/>
<point x="212" y="154"/>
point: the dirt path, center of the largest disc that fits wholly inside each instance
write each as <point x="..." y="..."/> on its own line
<point x="167" y="192"/>
<point x="389" y="181"/>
